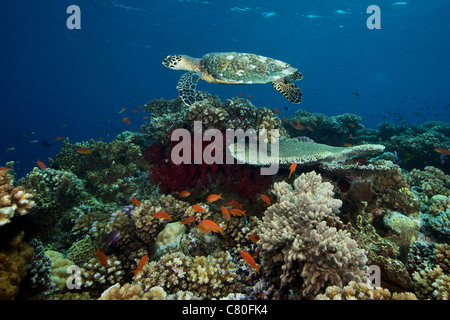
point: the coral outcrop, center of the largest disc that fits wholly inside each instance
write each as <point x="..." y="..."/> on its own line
<point x="13" y="200"/>
<point x="297" y="243"/>
<point x="14" y="261"/>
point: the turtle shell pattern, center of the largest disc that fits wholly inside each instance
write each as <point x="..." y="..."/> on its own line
<point x="245" y="68"/>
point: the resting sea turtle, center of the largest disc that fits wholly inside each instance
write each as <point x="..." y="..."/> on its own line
<point x="234" y="68"/>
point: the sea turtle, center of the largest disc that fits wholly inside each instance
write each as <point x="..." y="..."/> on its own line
<point x="234" y="68"/>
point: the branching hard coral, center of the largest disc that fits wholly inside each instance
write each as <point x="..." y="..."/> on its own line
<point x="96" y="277"/>
<point x="296" y="241"/>
<point x="39" y="269"/>
<point x="362" y="291"/>
<point x="442" y="256"/>
<point x="111" y="169"/>
<point x="149" y="226"/>
<point x="13" y="200"/>
<point x="430" y="181"/>
<point x="431" y="284"/>
<point x="441" y="223"/>
<point x="209" y="277"/>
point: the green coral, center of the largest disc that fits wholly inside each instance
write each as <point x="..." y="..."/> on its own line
<point x="112" y="171"/>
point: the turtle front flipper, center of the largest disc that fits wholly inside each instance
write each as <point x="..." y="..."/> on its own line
<point x="288" y="89"/>
<point x="186" y="87"/>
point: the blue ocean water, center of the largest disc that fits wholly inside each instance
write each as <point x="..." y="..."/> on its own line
<point x="72" y="83"/>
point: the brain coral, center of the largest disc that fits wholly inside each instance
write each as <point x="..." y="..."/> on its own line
<point x="296" y="241"/>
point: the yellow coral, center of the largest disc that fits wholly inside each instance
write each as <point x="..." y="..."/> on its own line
<point x="13" y="200"/>
<point x="13" y="266"/>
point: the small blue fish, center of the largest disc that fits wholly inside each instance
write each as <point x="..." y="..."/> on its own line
<point x="112" y="238"/>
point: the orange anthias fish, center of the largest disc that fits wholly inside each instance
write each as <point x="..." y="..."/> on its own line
<point x="253" y="237"/>
<point x="234" y="204"/>
<point x="314" y="123"/>
<point x="297" y="126"/>
<point x="83" y="150"/>
<point x="135" y="110"/>
<point x="122" y="110"/>
<point x="41" y="164"/>
<point x="58" y="138"/>
<point x="265" y="199"/>
<point x="292" y="168"/>
<point x="225" y="212"/>
<point x="163" y="215"/>
<point x="210" y="225"/>
<point x="240" y="94"/>
<point x="249" y="96"/>
<point x="275" y="110"/>
<point x="197" y="208"/>
<point x="250" y="261"/>
<point x="214" y="197"/>
<point x="237" y="212"/>
<point x="188" y="220"/>
<point x="283" y="119"/>
<point x="351" y="125"/>
<point x="126" y="120"/>
<point x="309" y="128"/>
<point x="4" y="169"/>
<point x="135" y="201"/>
<point x="101" y="258"/>
<point x="145" y="117"/>
<point x="348" y="145"/>
<point x="442" y="150"/>
<point x="141" y="264"/>
<point x="184" y="194"/>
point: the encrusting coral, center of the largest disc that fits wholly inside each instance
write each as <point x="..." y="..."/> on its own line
<point x="296" y="241"/>
<point x="14" y="261"/>
<point x="13" y="200"/>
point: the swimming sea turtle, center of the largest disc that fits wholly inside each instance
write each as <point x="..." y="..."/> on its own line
<point x="234" y="68"/>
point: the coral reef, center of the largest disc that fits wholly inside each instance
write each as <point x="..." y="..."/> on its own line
<point x="362" y="291"/>
<point x="14" y="261"/>
<point x="113" y="171"/>
<point x="213" y="276"/>
<point x="13" y="200"/>
<point x="296" y="241"/>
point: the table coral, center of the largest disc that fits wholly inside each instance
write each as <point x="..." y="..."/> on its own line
<point x="293" y="150"/>
<point x="13" y="200"/>
<point x="295" y="239"/>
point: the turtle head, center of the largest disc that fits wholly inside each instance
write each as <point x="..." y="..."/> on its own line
<point x="180" y="62"/>
<point x="174" y="62"/>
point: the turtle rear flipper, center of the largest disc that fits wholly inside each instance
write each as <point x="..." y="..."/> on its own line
<point x="186" y="87"/>
<point x="288" y="89"/>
